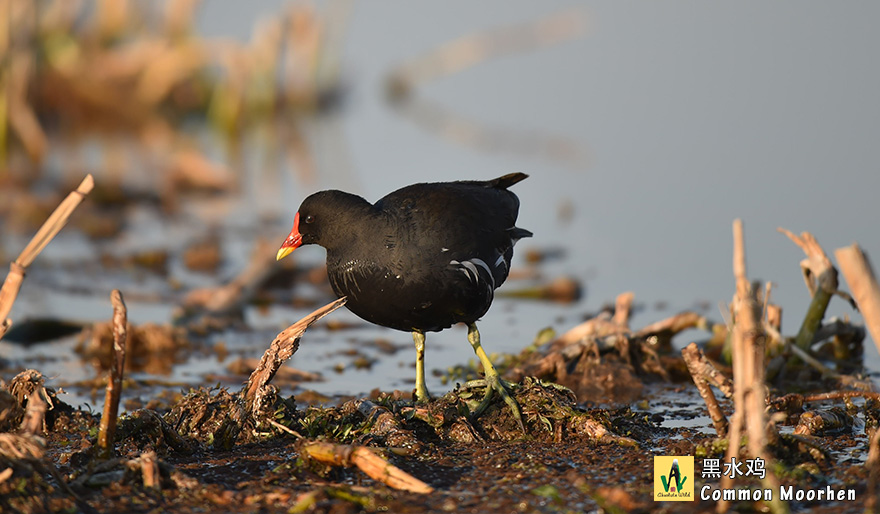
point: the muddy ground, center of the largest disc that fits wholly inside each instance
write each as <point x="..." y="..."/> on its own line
<point x="191" y="453"/>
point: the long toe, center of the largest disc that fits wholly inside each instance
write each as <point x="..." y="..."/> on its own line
<point x="494" y="384"/>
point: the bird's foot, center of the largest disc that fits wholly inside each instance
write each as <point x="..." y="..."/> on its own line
<point x="421" y="394"/>
<point x="493" y="383"/>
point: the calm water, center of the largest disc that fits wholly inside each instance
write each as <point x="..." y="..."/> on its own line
<point x="675" y="119"/>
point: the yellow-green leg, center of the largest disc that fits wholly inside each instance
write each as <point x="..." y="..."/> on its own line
<point x="421" y="391"/>
<point x="493" y="380"/>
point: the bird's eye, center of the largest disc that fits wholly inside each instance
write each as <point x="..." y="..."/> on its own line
<point x="310" y="218"/>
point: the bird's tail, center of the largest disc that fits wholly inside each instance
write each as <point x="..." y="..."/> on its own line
<point x="507" y="180"/>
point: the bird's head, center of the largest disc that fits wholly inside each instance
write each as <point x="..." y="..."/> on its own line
<point x="324" y="218"/>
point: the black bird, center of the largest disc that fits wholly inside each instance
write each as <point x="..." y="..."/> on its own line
<point x="421" y="259"/>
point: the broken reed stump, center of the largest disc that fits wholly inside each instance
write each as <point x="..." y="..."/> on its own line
<point x="704" y="374"/>
<point x="373" y="465"/>
<point x="748" y="376"/>
<point x="820" y="277"/>
<point x="282" y="348"/>
<point x="107" y="429"/>
<point x="44" y="235"/>
<point x="863" y="284"/>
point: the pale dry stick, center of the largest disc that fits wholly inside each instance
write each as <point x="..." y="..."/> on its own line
<point x="50" y="228"/>
<point x="820" y="277"/>
<point x="373" y="465"/>
<point x="700" y="369"/>
<point x="863" y="283"/>
<point x="774" y="316"/>
<point x="285" y="428"/>
<point x="738" y="357"/>
<point x="623" y="308"/>
<point x="673" y="324"/>
<point x="107" y="429"/>
<point x="149" y="463"/>
<point x="596" y="328"/>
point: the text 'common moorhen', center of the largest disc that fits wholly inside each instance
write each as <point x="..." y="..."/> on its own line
<point x="421" y="259"/>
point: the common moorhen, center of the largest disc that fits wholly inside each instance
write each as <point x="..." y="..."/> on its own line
<point x="421" y="259"/>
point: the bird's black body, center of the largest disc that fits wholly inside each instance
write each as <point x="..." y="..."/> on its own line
<point x="423" y="257"/>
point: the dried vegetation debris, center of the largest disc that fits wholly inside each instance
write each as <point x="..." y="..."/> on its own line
<point x="152" y="347"/>
<point x="382" y="439"/>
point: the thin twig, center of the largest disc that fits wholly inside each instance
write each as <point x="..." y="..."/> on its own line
<point x="285" y="428"/>
<point x="840" y="395"/>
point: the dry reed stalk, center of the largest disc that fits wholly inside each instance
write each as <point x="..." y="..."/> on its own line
<point x="748" y="375"/>
<point x="872" y="502"/>
<point x="703" y="373"/>
<point x="774" y="316"/>
<point x="673" y="324"/>
<point x="820" y="277"/>
<point x="149" y="464"/>
<point x="282" y="348"/>
<point x="107" y="429"/>
<point x="50" y="228"/>
<point x="373" y="465"/>
<point x="594" y="328"/>
<point x="862" y="282"/>
<point x="623" y="308"/>
<point x="35" y="415"/>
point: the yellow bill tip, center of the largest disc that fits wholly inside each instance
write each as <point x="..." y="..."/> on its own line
<point x="283" y="252"/>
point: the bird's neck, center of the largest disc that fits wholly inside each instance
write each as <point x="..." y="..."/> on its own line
<point x="354" y="224"/>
